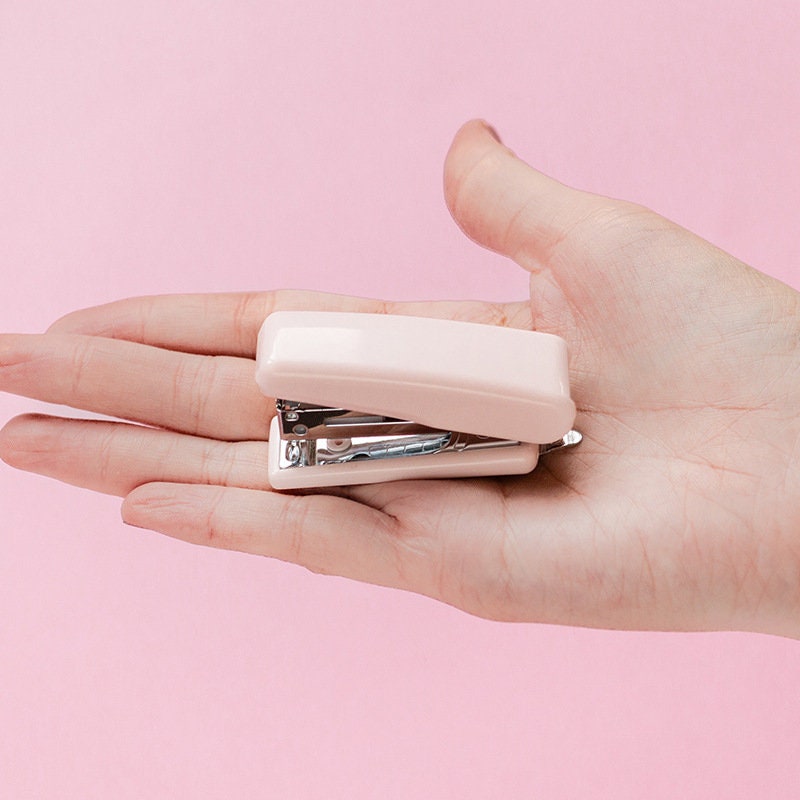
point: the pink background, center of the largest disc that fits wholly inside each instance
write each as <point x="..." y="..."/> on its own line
<point x="153" y="146"/>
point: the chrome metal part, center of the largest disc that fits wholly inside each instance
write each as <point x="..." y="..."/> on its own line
<point x="309" y="421"/>
<point x="570" y="439"/>
<point x="317" y="435"/>
<point x="320" y="452"/>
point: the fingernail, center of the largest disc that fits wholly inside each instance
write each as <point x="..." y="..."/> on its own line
<point x="491" y="130"/>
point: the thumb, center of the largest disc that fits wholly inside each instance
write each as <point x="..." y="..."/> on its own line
<point x="572" y="242"/>
<point x="505" y="205"/>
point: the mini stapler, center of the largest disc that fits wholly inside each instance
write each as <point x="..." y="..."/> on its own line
<point x="367" y="398"/>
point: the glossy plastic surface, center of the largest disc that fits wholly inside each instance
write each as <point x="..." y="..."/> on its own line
<point x="481" y="379"/>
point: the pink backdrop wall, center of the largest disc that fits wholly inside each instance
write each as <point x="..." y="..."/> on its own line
<point x="153" y="146"/>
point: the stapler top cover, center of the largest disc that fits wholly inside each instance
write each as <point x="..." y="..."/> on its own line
<point x="452" y="375"/>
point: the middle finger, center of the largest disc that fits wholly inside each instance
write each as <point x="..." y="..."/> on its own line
<point x="212" y="396"/>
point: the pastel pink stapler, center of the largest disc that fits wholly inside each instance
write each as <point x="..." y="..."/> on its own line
<point x="378" y="397"/>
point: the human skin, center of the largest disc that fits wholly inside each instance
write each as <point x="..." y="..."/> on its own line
<point x="679" y="510"/>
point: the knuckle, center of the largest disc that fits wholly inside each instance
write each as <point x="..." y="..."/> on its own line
<point x="242" y="312"/>
<point x="484" y="313"/>
<point x="219" y="464"/>
<point x="147" y="318"/>
<point x="80" y="362"/>
<point x="106" y="455"/>
<point x="215" y="525"/>
<point x="192" y="382"/>
<point x="271" y="301"/>
<point x="292" y="524"/>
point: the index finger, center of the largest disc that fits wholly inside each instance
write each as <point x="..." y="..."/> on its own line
<point x="214" y="324"/>
<point x="228" y="324"/>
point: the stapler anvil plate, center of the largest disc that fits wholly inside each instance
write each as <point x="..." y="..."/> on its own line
<point x="367" y="398"/>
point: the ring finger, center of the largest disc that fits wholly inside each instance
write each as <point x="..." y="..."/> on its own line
<point x="115" y="457"/>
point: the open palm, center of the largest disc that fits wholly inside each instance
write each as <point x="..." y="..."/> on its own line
<point x="678" y="510"/>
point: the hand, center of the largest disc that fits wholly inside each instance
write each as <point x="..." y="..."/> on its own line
<point x="678" y="511"/>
